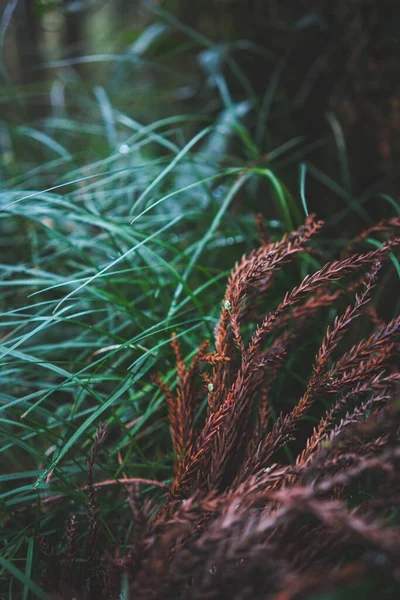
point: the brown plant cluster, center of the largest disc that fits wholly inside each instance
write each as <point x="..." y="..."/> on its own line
<point x="238" y="521"/>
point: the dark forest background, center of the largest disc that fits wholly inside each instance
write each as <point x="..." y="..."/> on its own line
<point x="331" y="65"/>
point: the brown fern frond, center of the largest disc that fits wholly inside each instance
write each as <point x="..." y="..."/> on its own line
<point x="258" y="269"/>
<point x="317" y="382"/>
<point x="392" y="226"/>
<point x="93" y="508"/>
<point x="71" y="551"/>
<point x="254" y="272"/>
<point x="328" y="421"/>
<point x="183" y="404"/>
<point x="333" y="271"/>
<point x="200" y="356"/>
<point x="173" y="418"/>
<point x="180" y="365"/>
<point x="379" y="342"/>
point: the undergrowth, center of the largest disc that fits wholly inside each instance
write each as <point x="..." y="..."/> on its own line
<point x="256" y="455"/>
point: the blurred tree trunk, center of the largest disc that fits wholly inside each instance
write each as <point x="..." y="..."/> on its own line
<point x="27" y="32"/>
<point x="75" y="18"/>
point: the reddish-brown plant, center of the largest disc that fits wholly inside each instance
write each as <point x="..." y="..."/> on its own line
<point x="237" y="522"/>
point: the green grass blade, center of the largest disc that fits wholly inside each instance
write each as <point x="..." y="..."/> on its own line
<point x="23" y="578"/>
